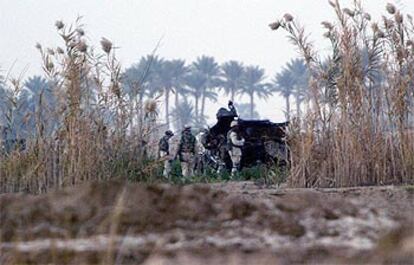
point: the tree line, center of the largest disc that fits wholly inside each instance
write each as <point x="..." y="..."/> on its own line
<point x="184" y="88"/>
<point x="202" y="80"/>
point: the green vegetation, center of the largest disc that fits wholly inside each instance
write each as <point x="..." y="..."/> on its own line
<point x="409" y="189"/>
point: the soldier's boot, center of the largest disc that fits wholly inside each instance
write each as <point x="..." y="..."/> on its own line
<point x="236" y="163"/>
<point x="234" y="171"/>
<point x="236" y="168"/>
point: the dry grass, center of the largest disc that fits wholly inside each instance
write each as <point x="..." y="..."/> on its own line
<point x="95" y="133"/>
<point x="359" y="127"/>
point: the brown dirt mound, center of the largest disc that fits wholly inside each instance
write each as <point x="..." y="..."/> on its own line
<point x="234" y="224"/>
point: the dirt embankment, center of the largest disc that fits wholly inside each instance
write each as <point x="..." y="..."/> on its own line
<point x="231" y="223"/>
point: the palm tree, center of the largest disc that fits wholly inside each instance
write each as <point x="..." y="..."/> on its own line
<point x="36" y="95"/>
<point x="37" y="86"/>
<point x="179" y="74"/>
<point x="139" y="79"/>
<point x="232" y="74"/>
<point x="196" y="83"/>
<point x="299" y="72"/>
<point x="253" y="85"/>
<point x="183" y="114"/>
<point x="208" y="67"/>
<point x="243" y="110"/>
<point x="284" y="84"/>
<point x="170" y="78"/>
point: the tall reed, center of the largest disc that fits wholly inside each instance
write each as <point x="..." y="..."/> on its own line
<point x="359" y="129"/>
<point x="94" y="132"/>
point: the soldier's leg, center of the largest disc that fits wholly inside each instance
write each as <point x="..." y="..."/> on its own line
<point x="233" y="162"/>
<point x="191" y="164"/>
<point x="185" y="164"/>
<point x="197" y="164"/>
<point x="235" y="156"/>
<point x="184" y="168"/>
<point x="236" y="164"/>
<point x="167" y="168"/>
<point x="163" y="156"/>
<point x="203" y="164"/>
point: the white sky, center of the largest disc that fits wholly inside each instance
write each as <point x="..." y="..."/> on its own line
<point x="225" y="29"/>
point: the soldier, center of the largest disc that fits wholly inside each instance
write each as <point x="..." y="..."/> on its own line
<point x="200" y="161"/>
<point x="222" y="152"/>
<point x="164" y="152"/>
<point x="186" y="151"/>
<point x="236" y="143"/>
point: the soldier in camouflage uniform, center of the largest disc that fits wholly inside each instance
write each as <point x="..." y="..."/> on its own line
<point x="164" y="152"/>
<point x="236" y="143"/>
<point x="200" y="161"/>
<point x="186" y="151"/>
<point x="222" y="152"/>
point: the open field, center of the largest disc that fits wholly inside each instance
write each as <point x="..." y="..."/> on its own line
<point x="229" y="223"/>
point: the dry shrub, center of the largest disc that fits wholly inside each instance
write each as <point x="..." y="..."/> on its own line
<point x="95" y="131"/>
<point x="359" y="127"/>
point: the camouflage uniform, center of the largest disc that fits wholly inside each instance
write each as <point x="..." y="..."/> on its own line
<point x="222" y="153"/>
<point x="186" y="151"/>
<point x="164" y="153"/>
<point x="200" y="163"/>
<point x="236" y="142"/>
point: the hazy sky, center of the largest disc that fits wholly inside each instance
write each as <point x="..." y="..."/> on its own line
<point x="225" y="29"/>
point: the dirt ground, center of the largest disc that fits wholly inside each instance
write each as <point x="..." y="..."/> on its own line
<point x="229" y="223"/>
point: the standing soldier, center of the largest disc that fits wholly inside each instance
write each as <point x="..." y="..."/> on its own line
<point x="164" y="152"/>
<point x="200" y="161"/>
<point x="236" y="143"/>
<point x="186" y="151"/>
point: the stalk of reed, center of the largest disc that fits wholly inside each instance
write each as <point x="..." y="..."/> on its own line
<point x="91" y="132"/>
<point x="359" y="129"/>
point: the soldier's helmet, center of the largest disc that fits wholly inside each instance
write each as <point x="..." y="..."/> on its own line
<point x="169" y="133"/>
<point x="187" y="127"/>
<point x="234" y="124"/>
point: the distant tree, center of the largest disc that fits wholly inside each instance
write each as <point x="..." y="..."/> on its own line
<point x="36" y="89"/>
<point x="171" y="78"/>
<point x="243" y="110"/>
<point x="299" y="72"/>
<point x="209" y="68"/>
<point x="37" y="102"/>
<point x="283" y="84"/>
<point x="292" y="81"/>
<point x="183" y="114"/>
<point x="179" y="74"/>
<point x="232" y="78"/>
<point x="253" y="85"/>
<point x="195" y="82"/>
<point x="140" y="79"/>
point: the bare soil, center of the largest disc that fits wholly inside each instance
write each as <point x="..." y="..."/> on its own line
<point x="229" y="223"/>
